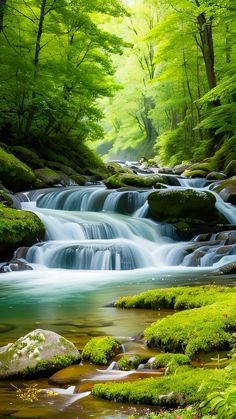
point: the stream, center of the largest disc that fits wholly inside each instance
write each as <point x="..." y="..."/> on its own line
<point x="99" y="245"/>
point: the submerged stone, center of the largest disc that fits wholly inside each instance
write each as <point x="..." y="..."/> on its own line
<point x="40" y="352"/>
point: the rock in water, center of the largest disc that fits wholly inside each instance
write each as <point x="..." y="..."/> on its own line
<point x="40" y="352"/>
<point x="173" y="204"/>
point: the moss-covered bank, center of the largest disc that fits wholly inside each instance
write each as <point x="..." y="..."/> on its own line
<point x="207" y="323"/>
<point x="175" y="390"/>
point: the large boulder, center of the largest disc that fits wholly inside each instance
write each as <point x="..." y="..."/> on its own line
<point x="18" y="228"/>
<point x="216" y="176"/>
<point x="14" y="174"/>
<point x="50" y="177"/>
<point x="40" y="352"/>
<point x="174" y="205"/>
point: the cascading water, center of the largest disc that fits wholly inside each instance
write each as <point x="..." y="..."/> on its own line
<point x="95" y="236"/>
<point x="86" y="231"/>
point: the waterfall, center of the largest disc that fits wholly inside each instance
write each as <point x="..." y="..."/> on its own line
<point x="94" y="229"/>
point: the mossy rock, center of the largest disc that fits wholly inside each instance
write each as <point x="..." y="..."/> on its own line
<point x="131" y="362"/>
<point x="115" y="168"/>
<point x="114" y="182"/>
<point x="180" y="168"/>
<point x="201" y="169"/>
<point x="40" y="352"/>
<point x="101" y="350"/>
<point x="5" y="199"/>
<point x="177" y="390"/>
<point x="226" y="189"/>
<point x="50" y="178"/>
<point x="230" y="169"/>
<point x="173" y="204"/>
<point x="18" y="228"/>
<point x="71" y="173"/>
<point x="216" y="176"/>
<point x="205" y="329"/>
<point x="14" y="174"/>
<point x="171" y="361"/>
<point x="126" y="179"/>
<point x="24" y="154"/>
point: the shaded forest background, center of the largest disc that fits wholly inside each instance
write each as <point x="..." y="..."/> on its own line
<point x="153" y="78"/>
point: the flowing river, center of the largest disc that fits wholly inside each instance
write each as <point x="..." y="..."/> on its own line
<point x="99" y="245"/>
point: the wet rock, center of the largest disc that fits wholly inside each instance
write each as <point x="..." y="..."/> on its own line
<point x="180" y="168"/>
<point x="40" y="352"/>
<point x="230" y="169"/>
<point x="229" y="269"/>
<point x="216" y="176"/>
<point x="72" y="375"/>
<point x="15" y="265"/>
<point x="166" y="170"/>
<point x="227" y="189"/>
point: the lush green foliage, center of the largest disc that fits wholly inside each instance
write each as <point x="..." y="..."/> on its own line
<point x="222" y="403"/>
<point x="100" y="350"/>
<point x="182" y="91"/>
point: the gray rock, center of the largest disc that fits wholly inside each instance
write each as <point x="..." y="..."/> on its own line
<point x="15" y="265"/>
<point x="40" y="352"/>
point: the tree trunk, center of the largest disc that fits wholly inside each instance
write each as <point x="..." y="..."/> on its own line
<point x="2" y="12"/>
<point x="207" y="47"/>
<point x="36" y="63"/>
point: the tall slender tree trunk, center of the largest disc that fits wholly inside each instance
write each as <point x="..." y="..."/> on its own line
<point x="207" y="47"/>
<point x="36" y="64"/>
<point x="2" y="12"/>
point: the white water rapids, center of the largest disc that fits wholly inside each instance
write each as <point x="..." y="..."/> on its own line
<point x="94" y="236"/>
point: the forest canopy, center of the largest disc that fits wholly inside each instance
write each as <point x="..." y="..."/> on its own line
<point x="178" y="79"/>
<point x="152" y="78"/>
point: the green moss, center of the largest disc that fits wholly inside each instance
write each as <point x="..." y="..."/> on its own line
<point x="126" y="179"/>
<point x="24" y="154"/>
<point x="204" y="329"/>
<point x="46" y="368"/>
<point x="18" y="228"/>
<point x="229" y="184"/>
<point x="14" y="174"/>
<point x="171" y="361"/>
<point x="130" y="362"/>
<point x="114" y="182"/>
<point x="177" y="298"/>
<point x="100" y="350"/>
<point x="171" y="391"/>
<point x="168" y="205"/>
<point x="5" y="199"/>
<point x="201" y="169"/>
